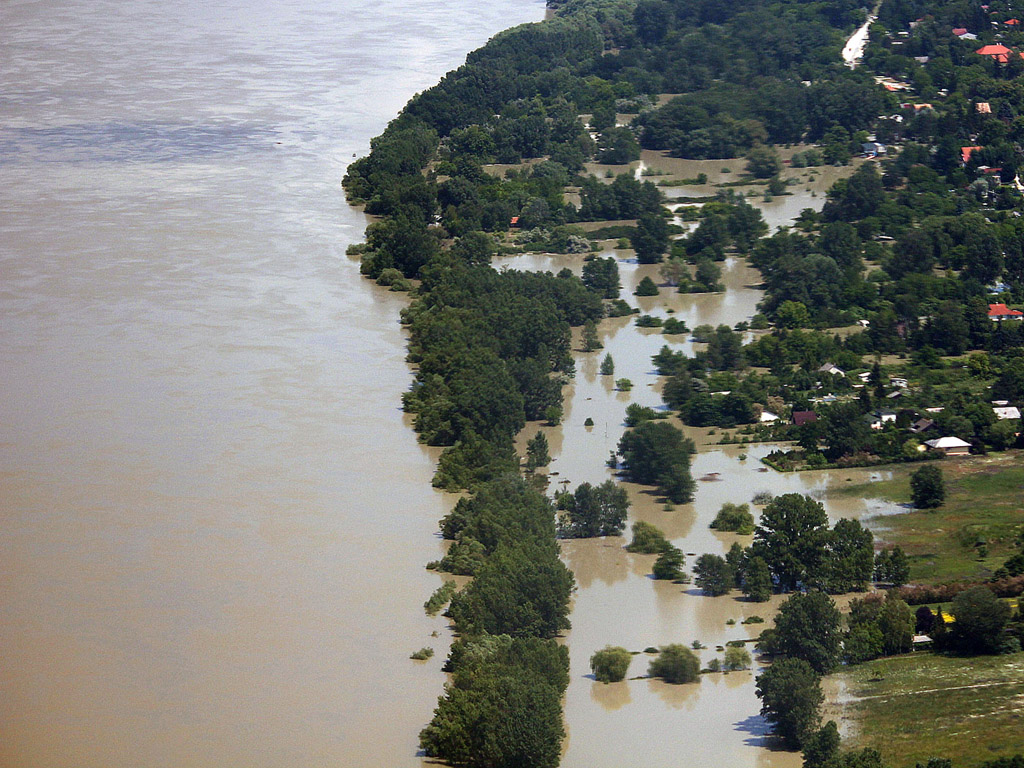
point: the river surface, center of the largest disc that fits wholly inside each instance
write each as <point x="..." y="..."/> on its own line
<point x="214" y="517"/>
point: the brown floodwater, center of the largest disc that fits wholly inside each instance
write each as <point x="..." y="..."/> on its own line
<point x="715" y="722"/>
<point x="214" y="517"/>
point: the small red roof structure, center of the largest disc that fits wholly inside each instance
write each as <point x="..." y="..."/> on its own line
<point x="1012" y="22"/>
<point x="1001" y="312"/>
<point x="966" y="152"/>
<point x="959" y="31"/>
<point x="983" y="108"/>
<point x="514" y="221"/>
<point x="804" y="417"/>
<point x="999" y="52"/>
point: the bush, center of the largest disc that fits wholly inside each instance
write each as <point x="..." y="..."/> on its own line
<point x="647" y="539"/>
<point x="736" y="659"/>
<point x="646" y="287"/>
<point x="675" y="664"/>
<point x="422" y="654"/>
<point x="440" y="598"/>
<point x="734" y="517"/>
<point x="610" y="664"/>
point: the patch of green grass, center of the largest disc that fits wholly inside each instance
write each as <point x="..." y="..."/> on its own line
<point x="984" y="503"/>
<point x="972" y="707"/>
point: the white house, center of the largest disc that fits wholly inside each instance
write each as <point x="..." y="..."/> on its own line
<point x="1007" y="412"/>
<point x="951" y="446"/>
<point x="879" y="419"/>
<point x="835" y="370"/>
<point x="767" y="417"/>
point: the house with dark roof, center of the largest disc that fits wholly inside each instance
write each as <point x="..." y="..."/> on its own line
<point x="804" y="417"/>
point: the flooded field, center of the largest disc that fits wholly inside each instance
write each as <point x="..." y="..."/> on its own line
<point x="715" y="722"/>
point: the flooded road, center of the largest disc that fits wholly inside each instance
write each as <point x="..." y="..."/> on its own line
<point x="215" y="519"/>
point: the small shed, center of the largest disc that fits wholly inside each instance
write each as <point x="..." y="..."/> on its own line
<point x="1007" y="412"/>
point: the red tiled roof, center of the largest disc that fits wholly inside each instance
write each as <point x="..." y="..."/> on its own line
<point x="999" y="52"/>
<point x="959" y="31"/>
<point x="966" y="152"/>
<point x="1012" y="22"/>
<point x="1000" y="310"/>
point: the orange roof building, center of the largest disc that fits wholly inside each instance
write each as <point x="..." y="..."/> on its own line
<point x="998" y="312"/>
<point x="983" y="108"/>
<point x="999" y="52"/>
<point x="966" y="152"/>
<point x="1012" y="22"/>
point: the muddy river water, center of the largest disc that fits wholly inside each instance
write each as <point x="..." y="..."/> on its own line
<point x="215" y="517"/>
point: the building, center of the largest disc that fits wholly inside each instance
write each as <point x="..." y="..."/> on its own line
<point x="899" y="381"/>
<point x="879" y="419"/>
<point x="1007" y="412"/>
<point x="983" y="107"/>
<point x="921" y="425"/>
<point x="999" y="312"/>
<point x="950" y="446"/>
<point x="767" y="417"/>
<point x="804" y="417"/>
<point x="997" y="52"/>
<point x="872" y="148"/>
<point x="835" y="370"/>
<point x="966" y="152"/>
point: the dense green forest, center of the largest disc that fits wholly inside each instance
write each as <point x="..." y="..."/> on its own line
<point x="906" y="256"/>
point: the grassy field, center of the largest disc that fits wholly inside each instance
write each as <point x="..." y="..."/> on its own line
<point x="921" y="705"/>
<point x="984" y="503"/>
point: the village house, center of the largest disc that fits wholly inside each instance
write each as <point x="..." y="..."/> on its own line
<point x="898" y="381"/>
<point x="803" y="417"/>
<point x="999" y="312"/>
<point x="872" y="149"/>
<point x="1006" y="412"/>
<point x="966" y="152"/>
<point x="767" y="417"/>
<point x="835" y="370"/>
<point x="997" y="52"/>
<point x="949" y="446"/>
<point x="878" y="419"/>
<point x="921" y="425"/>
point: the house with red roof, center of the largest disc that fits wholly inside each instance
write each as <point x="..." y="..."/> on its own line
<point x="999" y="312"/>
<point x="959" y="31"/>
<point x="998" y="52"/>
<point x="1012" y="22"/>
<point x="966" y="152"/>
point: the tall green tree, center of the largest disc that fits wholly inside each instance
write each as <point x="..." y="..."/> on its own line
<point x="791" y="539"/>
<point x="790" y="693"/>
<point x="807" y="627"/>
